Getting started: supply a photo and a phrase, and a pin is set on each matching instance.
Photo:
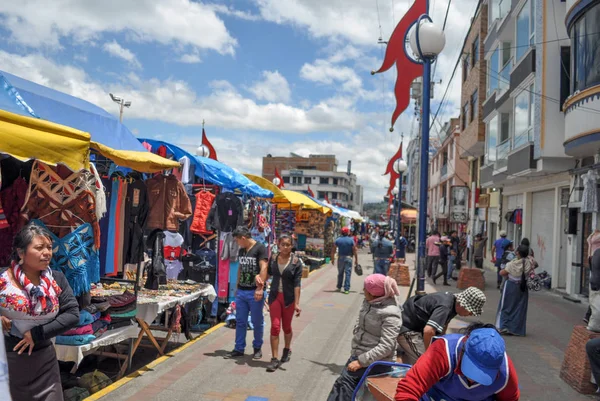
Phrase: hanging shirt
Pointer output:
(173, 251)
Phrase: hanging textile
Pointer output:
(12, 198)
(226, 213)
(223, 274)
(114, 254)
(589, 202)
(173, 252)
(76, 257)
(136, 213)
(204, 202)
(99, 193)
(156, 269)
(168, 203)
(104, 226)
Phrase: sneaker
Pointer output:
(346, 292)
(257, 353)
(287, 353)
(234, 354)
(274, 365)
(339, 290)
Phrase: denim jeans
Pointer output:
(382, 266)
(244, 304)
(451, 262)
(344, 267)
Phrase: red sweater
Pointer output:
(433, 365)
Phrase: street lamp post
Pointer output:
(426, 42)
(203, 151)
(122, 104)
(400, 167)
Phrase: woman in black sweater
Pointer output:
(36, 304)
(284, 298)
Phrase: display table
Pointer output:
(73, 353)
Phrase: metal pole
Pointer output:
(423, 182)
(121, 110)
(472, 233)
(399, 220)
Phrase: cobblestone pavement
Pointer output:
(321, 347)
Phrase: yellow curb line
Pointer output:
(150, 366)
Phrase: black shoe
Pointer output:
(447, 284)
(274, 365)
(433, 278)
(287, 353)
(234, 354)
(257, 353)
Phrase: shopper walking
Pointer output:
(512, 309)
(284, 299)
(433, 253)
(36, 304)
(375, 333)
(454, 256)
(347, 250)
(478, 247)
(252, 275)
(499, 248)
(382, 251)
(425, 316)
(444, 246)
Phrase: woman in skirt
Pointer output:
(36, 304)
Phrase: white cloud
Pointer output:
(116, 50)
(325, 72)
(190, 59)
(273, 88)
(169, 22)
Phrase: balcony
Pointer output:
(502, 154)
(504, 79)
(444, 171)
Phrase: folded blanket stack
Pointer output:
(121, 309)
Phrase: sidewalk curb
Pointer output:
(149, 367)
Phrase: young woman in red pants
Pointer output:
(284, 298)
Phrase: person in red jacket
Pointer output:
(470, 366)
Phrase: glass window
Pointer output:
(475, 52)
(307, 180)
(334, 195)
(335, 181)
(286, 180)
(586, 50)
(491, 134)
(465, 68)
(465, 115)
(493, 71)
(523, 118)
(504, 127)
(474, 105)
(324, 180)
(524, 20)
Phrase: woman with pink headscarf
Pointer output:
(375, 334)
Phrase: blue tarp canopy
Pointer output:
(32, 100)
(214, 172)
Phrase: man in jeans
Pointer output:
(382, 250)
(501, 245)
(433, 253)
(253, 259)
(347, 250)
(453, 254)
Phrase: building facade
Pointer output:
(319, 173)
(448, 196)
(581, 111)
(524, 169)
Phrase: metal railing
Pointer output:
(523, 138)
(504, 80)
(502, 154)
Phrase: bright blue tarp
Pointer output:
(32, 100)
(214, 172)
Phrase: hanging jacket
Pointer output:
(168, 203)
(204, 202)
(136, 214)
(226, 213)
(157, 272)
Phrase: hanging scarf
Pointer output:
(41, 296)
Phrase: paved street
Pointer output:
(322, 343)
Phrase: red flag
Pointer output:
(281, 184)
(327, 199)
(212, 153)
(395, 53)
(310, 192)
(390, 170)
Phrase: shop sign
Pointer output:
(458, 204)
(296, 173)
(303, 215)
(484, 201)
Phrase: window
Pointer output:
(321, 195)
(465, 115)
(565, 63)
(585, 43)
(475, 52)
(523, 118)
(334, 195)
(335, 181)
(324, 180)
(491, 136)
(296, 180)
(525, 29)
(498, 9)
(450, 150)
(506, 67)
(493, 72)
(465, 68)
(307, 180)
(474, 105)
(286, 180)
(504, 127)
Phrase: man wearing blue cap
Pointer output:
(471, 366)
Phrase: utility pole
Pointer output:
(122, 104)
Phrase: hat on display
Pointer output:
(472, 299)
(503, 233)
(345, 231)
(483, 356)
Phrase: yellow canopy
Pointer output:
(31, 138)
(278, 196)
(145, 162)
(297, 200)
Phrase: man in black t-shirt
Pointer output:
(253, 258)
(425, 316)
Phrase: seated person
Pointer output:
(458, 367)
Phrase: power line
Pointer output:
(542, 42)
(443, 29)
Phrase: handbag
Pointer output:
(358, 270)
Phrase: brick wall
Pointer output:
(475, 80)
(287, 163)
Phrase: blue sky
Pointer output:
(267, 76)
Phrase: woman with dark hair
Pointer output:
(512, 310)
(525, 242)
(284, 298)
(36, 304)
(472, 365)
